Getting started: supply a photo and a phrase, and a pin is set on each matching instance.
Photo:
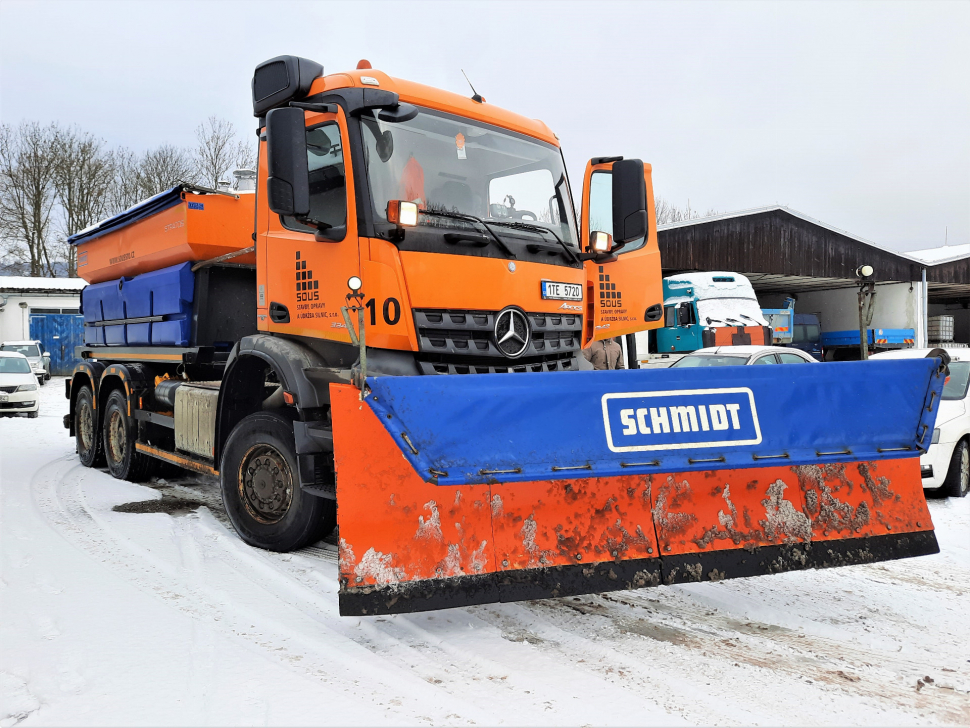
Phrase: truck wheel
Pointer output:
(261, 487)
(119, 435)
(957, 481)
(86, 433)
(42, 380)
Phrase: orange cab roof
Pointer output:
(421, 95)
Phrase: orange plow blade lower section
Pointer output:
(410, 545)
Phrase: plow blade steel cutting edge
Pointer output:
(458, 490)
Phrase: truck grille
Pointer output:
(463, 342)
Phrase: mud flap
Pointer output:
(467, 490)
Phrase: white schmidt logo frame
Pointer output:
(680, 445)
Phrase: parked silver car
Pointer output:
(726, 356)
(40, 360)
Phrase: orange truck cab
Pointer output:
(456, 216)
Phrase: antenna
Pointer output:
(475, 95)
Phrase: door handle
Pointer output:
(278, 313)
(653, 313)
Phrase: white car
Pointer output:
(18, 386)
(726, 356)
(946, 465)
(40, 360)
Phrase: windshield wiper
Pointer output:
(472, 218)
(539, 229)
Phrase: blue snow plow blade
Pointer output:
(549, 426)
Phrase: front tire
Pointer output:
(42, 381)
(261, 487)
(119, 434)
(957, 482)
(86, 434)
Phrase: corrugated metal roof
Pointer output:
(912, 255)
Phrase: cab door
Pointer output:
(306, 270)
(624, 288)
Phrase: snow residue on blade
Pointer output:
(477, 561)
(670, 495)
(375, 567)
(430, 528)
(782, 518)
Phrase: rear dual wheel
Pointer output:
(86, 434)
(261, 487)
(119, 434)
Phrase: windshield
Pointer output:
(25, 349)
(730, 312)
(806, 334)
(711, 361)
(13, 365)
(956, 383)
(450, 164)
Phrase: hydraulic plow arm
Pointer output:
(468, 490)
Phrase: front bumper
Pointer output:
(935, 463)
(18, 402)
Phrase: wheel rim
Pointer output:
(85, 426)
(117, 436)
(265, 484)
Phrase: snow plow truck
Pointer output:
(384, 338)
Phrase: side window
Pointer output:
(670, 316)
(328, 187)
(601, 209)
(791, 359)
(769, 359)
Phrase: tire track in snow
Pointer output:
(466, 660)
(256, 595)
(266, 623)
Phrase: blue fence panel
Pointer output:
(59, 333)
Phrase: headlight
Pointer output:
(26, 387)
(936, 436)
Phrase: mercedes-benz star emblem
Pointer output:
(512, 332)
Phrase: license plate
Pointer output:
(562, 291)
(3, 398)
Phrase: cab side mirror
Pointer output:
(629, 201)
(683, 315)
(288, 180)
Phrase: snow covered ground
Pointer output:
(126, 604)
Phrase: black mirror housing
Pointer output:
(629, 201)
(282, 79)
(683, 315)
(288, 179)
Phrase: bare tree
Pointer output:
(669, 213)
(84, 174)
(163, 167)
(28, 157)
(245, 155)
(126, 189)
(216, 152)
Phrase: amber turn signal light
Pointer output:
(600, 242)
(402, 213)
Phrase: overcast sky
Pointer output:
(857, 114)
